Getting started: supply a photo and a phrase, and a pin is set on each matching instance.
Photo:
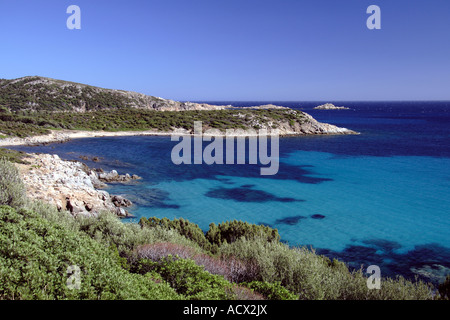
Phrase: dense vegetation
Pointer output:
(163, 259)
(217, 235)
(26, 123)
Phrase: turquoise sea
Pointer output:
(381, 197)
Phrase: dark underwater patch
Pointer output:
(317, 216)
(425, 261)
(245, 195)
(290, 220)
(154, 198)
(383, 245)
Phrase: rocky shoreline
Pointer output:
(73, 186)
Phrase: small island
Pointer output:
(330, 106)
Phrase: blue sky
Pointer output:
(235, 49)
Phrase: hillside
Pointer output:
(46, 94)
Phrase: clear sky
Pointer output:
(235, 49)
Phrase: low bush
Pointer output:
(314, 277)
(189, 279)
(226, 232)
(108, 229)
(159, 251)
(231, 231)
(35, 256)
(185, 228)
(271, 291)
(231, 268)
(12, 155)
(12, 189)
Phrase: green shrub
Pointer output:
(234, 230)
(314, 277)
(216, 235)
(12, 155)
(35, 255)
(185, 228)
(271, 291)
(189, 279)
(127, 237)
(12, 189)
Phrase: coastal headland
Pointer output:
(38, 110)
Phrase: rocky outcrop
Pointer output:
(113, 176)
(330, 106)
(312, 126)
(304, 124)
(70, 185)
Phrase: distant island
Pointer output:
(330, 106)
(36, 110)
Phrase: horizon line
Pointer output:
(284, 101)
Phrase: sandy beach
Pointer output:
(66, 135)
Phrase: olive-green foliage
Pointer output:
(271, 291)
(228, 231)
(12, 189)
(185, 228)
(17, 124)
(12, 155)
(231, 231)
(35, 255)
(189, 279)
(33, 93)
(27, 123)
(315, 277)
(109, 230)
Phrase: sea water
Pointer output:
(380, 197)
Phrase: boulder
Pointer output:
(121, 212)
(120, 201)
